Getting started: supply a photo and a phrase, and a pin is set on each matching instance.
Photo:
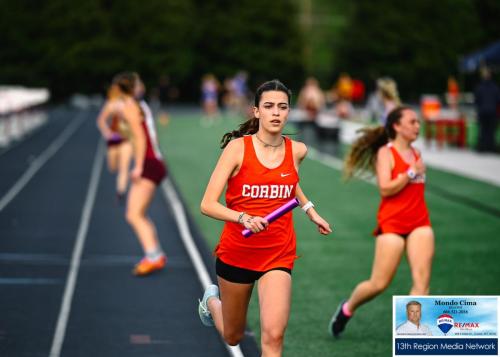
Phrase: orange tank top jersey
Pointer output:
(258, 190)
(406, 210)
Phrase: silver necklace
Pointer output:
(266, 144)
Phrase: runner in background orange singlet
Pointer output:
(403, 223)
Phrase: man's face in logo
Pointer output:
(413, 312)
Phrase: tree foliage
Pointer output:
(418, 43)
(258, 36)
(78, 46)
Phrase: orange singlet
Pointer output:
(258, 190)
(406, 210)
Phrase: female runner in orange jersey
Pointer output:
(403, 219)
(260, 168)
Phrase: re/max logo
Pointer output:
(467, 324)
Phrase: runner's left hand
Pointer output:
(323, 226)
(136, 173)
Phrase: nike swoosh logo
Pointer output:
(285, 175)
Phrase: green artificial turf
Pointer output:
(467, 242)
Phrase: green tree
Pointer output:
(258, 36)
(416, 42)
(489, 13)
(322, 23)
(79, 46)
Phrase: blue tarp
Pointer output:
(489, 56)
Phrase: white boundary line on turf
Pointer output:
(187, 239)
(38, 163)
(328, 160)
(332, 162)
(69, 289)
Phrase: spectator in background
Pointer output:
(358, 90)
(388, 91)
(226, 95)
(375, 106)
(341, 96)
(344, 87)
(452, 93)
(210, 94)
(311, 98)
(487, 98)
(239, 88)
(344, 109)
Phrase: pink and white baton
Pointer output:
(274, 215)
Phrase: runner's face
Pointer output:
(272, 111)
(409, 126)
(414, 313)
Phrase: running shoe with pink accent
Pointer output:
(338, 321)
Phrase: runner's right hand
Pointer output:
(255, 224)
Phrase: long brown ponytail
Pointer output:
(126, 82)
(363, 153)
(251, 126)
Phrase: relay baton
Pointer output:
(274, 215)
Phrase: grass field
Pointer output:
(467, 242)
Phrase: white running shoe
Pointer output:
(205, 315)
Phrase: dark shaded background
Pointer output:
(78, 46)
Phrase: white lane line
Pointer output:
(29, 281)
(38, 163)
(62, 320)
(328, 160)
(194, 254)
